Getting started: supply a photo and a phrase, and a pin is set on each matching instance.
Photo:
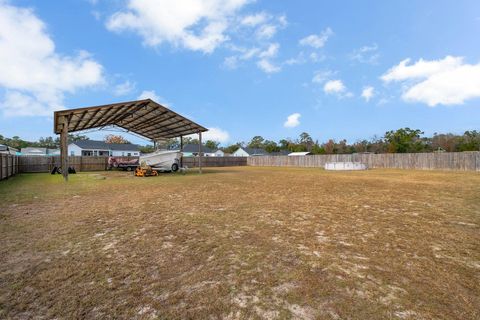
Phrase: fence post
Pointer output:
(477, 161)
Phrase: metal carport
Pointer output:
(146, 118)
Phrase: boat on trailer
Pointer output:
(162, 160)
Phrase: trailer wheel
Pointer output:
(174, 167)
(129, 168)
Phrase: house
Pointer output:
(99, 148)
(248, 152)
(191, 150)
(36, 151)
(219, 153)
(294, 154)
(8, 150)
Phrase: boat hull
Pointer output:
(162, 160)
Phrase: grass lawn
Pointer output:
(243, 242)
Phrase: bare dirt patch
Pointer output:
(244, 242)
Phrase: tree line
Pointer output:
(404, 140)
(395, 141)
(54, 143)
(47, 142)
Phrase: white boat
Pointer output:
(165, 160)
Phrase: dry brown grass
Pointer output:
(242, 242)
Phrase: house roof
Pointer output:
(123, 147)
(101, 145)
(34, 150)
(255, 151)
(280, 153)
(143, 117)
(193, 148)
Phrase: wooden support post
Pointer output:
(64, 149)
(181, 150)
(199, 152)
(154, 145)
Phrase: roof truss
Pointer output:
(146, 118)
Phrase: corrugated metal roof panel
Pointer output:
(143, 117)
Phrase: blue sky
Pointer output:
(335, 69)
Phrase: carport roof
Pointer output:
(143, 117)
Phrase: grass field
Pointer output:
(243, 242)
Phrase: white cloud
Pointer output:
(250, 53)
(149, 94)
(245, 54)
(315, 57)
(96, 14)
(266, 31)
(421, 68)
(270, 52)
(282, 20)
(267, 66)
(447, 81)
(254, 19)
(334, 86)
(293, 61)
(264, 57)
(231, 62)
(193, 24)
(202, 25)
(366, 54)
(216, 134)
(293, 120)
(266, 25)
(35, 77)
(124, 88)
(322, 76)
(383, 101)
(317, 41)
(368, 93)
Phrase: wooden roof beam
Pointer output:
(80, 120)
(153, 122)
(93, 124)
(146, 122)
(140, 119)
(114, 114)
(168, 128)
(126, 114)
(187, 127)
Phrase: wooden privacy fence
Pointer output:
(466, 161)
(46, 163)
(8, 165)
(192, 162)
